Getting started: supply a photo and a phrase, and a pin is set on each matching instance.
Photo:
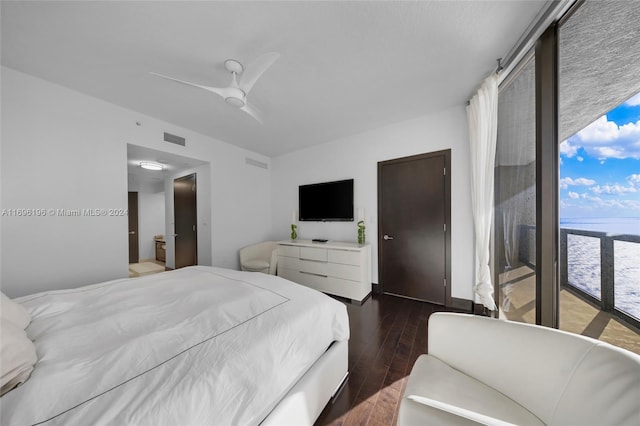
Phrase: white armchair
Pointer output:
(261, 257)
(493, 372)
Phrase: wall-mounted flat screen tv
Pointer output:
(327, 201)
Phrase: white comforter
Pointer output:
(199, 345)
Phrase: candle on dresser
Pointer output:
(360, 214)
(294, 217)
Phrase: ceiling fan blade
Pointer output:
(221, 91)
(255, 69)
(252, 111)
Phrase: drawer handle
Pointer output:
(317, 275)
(313, 260)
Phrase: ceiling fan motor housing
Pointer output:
(236, 97)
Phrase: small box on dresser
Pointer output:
(338, 268)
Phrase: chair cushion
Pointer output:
(433, 379)
(255, 264)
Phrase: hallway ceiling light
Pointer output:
(151, 166)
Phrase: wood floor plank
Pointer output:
(387, 335)
(385, 407)
(399, 366)
(359, 415)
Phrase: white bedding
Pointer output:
(198, 345)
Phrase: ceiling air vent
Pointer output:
(256, 163)
(168, 137)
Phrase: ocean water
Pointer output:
(584, 260)
(615, 225)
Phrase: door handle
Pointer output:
(387, 237)
(174, 235)
(132, 232)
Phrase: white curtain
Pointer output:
(482, 115)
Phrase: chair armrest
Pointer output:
(273, 263)
(459, 411)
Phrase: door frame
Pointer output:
(448, 301)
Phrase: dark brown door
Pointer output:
(185, 217)
(133, 228)
(413, 209)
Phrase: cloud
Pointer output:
(601, 130)
(612, 189)
(567, 182)
(634, 179)
(580, 159)
(574, 195)
(631, 204)
(567, 149)
(633, 101)
(604, 139)
(597, 203)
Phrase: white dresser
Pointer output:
(338, 268)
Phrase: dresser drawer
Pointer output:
(336, 270)
(312, 253)
(289, 274)
(345, 257)
(302, 265)
(329, 285)
(347, 272)
(290, 251)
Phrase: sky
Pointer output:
(600, 166)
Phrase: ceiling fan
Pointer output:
(242, 80)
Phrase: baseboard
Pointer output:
(462, 304)
(480, 309)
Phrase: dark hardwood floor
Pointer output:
(387, 335)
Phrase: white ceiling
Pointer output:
(345, 67)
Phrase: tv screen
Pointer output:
(327, 201)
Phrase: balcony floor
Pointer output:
(576, 315)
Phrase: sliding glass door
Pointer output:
(567, 195)
(599, 131)
(515, 196)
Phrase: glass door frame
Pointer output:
(547, 180)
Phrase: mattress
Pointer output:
(199, 345)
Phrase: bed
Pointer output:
(199, 345)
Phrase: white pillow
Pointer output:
(14, 312)
(17, 356)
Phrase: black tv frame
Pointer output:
(304, 216)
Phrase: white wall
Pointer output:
(151, 222)
(357, 157)
(64, 149)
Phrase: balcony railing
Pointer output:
(604, 297)
(607, 297)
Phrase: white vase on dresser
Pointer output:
(335, 267)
